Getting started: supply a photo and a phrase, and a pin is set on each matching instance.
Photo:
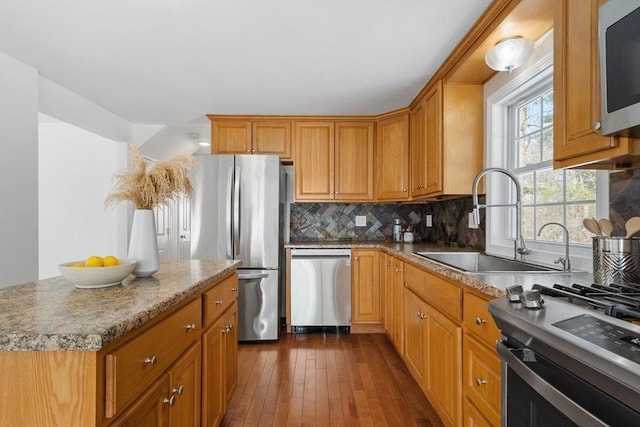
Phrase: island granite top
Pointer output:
(53, 315)
(491, 284)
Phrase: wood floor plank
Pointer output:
(326, 380)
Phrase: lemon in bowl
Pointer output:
(97, 272)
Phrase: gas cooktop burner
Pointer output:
(620, 301)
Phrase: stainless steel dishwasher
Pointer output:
(320, 289)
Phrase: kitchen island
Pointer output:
(114, 356)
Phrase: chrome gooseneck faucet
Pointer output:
(519, 247)
(566, 262)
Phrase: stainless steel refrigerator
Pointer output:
(236, 214)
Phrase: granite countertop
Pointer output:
(493, 284)
(52, 315)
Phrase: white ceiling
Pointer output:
(173, 61)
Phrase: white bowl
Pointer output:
(97, 277)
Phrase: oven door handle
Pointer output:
(551, 394)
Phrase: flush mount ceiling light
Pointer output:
(204, 143)
(508, 54)
(195, 137)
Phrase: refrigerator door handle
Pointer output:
(252, 276)
(236, 213)
(229, 213)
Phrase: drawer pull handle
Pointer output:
(423, 316)
(418, 314)
(596, 125)
(178, 390)
(151, 360)
(219, 302)
(480, 321)
(191, 326)
(234, 289)
(226, 330)
(171, 400)
(480, 382)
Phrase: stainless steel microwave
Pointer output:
(619, 42)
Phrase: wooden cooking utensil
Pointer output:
(591, 225)
(632, 226)
(605, 226)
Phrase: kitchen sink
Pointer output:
(480, 262)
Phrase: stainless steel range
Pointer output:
(571, 355)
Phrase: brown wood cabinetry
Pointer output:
(392, 158)
(481, 363)
(334, 161)
(365, 288)
(159, 374)
(446, 140)
(578, 141)
(394, 317)
(433, 341)
(249, 136)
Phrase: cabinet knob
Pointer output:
(418, 314)
(171, 400)
(190, 326)
(423, 316)
(404, 190)
(253, 151)
(357, 258)
(230, 327)
(480, 382)
(150, 360)
(596, 125)
(219, 302)
(178, 390)
(480, 321)
(234, 289)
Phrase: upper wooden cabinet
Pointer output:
(446, 140)
(392, 158)
(578, 141)
(247, 136)
(334, 161)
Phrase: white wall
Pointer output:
(75, 171)
(23, 93)
(18, 172)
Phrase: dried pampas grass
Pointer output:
(151, 186)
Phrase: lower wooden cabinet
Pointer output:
(151, 409)
(394, 318)
(185, 388)
(473, 417)
(365, 287)
(219, 367)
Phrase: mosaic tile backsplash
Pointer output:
(334, 221)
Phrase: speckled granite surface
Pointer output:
(490, 284)
(53, 315)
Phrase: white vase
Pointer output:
(143, 246)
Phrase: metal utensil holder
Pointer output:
(616, 260)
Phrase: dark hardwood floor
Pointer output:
(326, 380)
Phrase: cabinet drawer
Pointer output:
(441, 294)
(134, 366)
(482, 375)
(478, 321)
(217, 300)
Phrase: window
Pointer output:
(564, 196)
(519, 125)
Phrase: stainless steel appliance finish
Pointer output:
(619, 38)
(571, 360)
(235, 215)
(320, 288)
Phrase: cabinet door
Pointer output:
(231, 351)
(392, 153)
(272, 137)
(365, 287)
(185, 388)
(213, 374)
(231, 137)
(397, 285)
(418, 150)
(354, 161)
(444, 366)
(577, 81)
(314, 160)
(433, 139)
(415, 329)
(151, 409)
(482, 378)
